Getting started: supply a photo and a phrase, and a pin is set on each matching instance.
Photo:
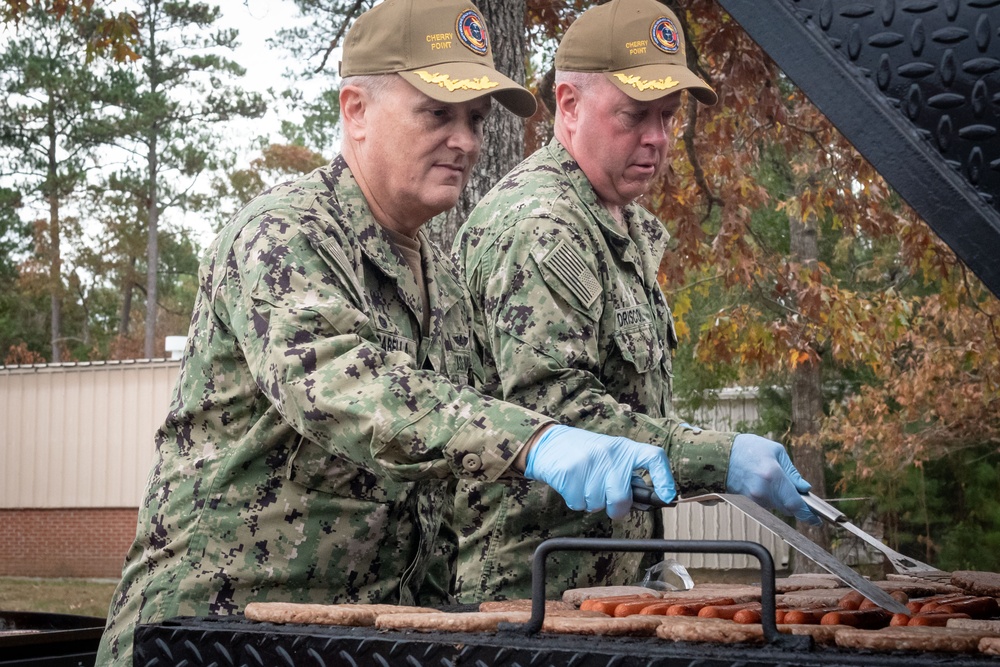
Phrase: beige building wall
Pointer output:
(735, 409)
(80, 435)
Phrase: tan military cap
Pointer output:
(638, 44)
(441, 47)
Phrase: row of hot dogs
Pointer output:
(852, 609)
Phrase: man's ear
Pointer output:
(354, 105)
(567, 104)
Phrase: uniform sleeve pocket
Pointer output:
(316, 469)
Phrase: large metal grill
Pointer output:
(201, 642)
(234, 641)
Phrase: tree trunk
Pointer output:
(807, 400)
(55, 251)
(128, 288)
(503, 144)
(152, 204)
(152, 254)
(55, 279)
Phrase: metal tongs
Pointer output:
(643, 495)
(902, 564)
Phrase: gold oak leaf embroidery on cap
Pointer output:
(646, 84)
(445, 81)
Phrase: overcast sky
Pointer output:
(258, 20)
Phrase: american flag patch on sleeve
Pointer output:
(569, 267)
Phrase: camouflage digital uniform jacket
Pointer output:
(573, 324)
(315, 434)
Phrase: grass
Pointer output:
(89, 597)
(84, 597)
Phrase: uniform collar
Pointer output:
(444, 287)
(646, 239)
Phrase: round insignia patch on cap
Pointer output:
(472, 32)
(664, 35)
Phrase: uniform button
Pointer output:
(472, 462)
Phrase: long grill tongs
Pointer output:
(902, 564)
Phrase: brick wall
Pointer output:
(88, 542)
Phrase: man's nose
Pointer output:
(465, 137)
(656, 133)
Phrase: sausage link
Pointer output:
(694, 606)
(658, 609)
(661, 606)
(633, 607)
(983, 607)
(934, 604)
(866, 619)
(934, 619)
(808, 616)
(898, 596)
(608, 604)
(851, 601)
(747, 616)
(915, 604)
(726, 611)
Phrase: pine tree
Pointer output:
(185, 86)
(50, 124)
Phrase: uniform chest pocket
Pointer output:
(460, 369)
(640, 347)
(316, 469)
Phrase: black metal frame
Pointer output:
(233, 641)
(915, 86)
(763, 556)
(56, 640)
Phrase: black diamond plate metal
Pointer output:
(915, 86)
(204, 642)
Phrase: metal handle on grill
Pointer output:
(767, 585)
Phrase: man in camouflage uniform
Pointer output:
(323, 408)
(562, 268)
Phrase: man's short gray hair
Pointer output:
(373, 84)
(580, 80)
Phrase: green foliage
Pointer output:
(946, 513)
(170, 107)
(14, 235)
(111, 36)
(17, 310)
(318, 128)
(52, 121)
(311, 43)
(160, 113)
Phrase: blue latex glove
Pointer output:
(594, 472)
(760, 469)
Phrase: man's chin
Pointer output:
(445, 196)
(440, 205)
